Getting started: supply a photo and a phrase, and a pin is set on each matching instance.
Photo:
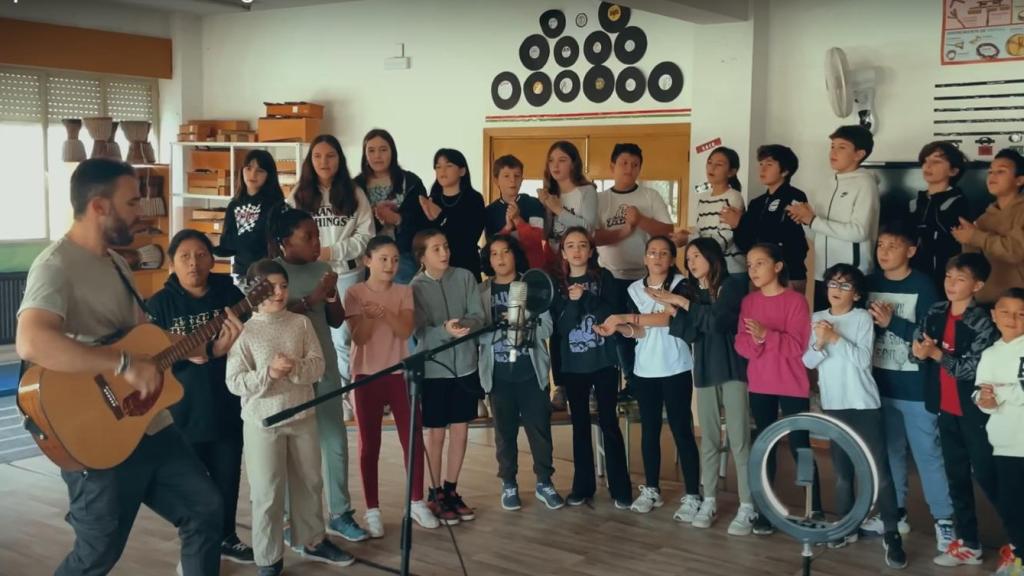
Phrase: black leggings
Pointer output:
(605, 383)
(674, 393)
(765, 410)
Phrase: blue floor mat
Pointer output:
(9, 378)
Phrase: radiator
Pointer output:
(12, 288)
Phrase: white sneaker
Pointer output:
(688, 509)
(945, 533)
(648, 499)
(958, 554)
(706, 515)
(875, 525)
(374, 524)
(743, 523)
(423, 516)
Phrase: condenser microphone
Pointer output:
(516, 317)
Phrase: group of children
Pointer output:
(895, 362)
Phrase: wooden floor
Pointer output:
(598, 541)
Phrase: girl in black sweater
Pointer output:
(588, 296)
(456, 209)
(245, 223)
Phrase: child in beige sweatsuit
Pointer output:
(274, 365)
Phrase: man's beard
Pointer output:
(118, 232)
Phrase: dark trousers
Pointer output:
(765, 410)
(870, 426)
(223, 461)
(513, 403)
(625, 348)
(164, 474)
(674, 393)
(605, 384)
(1010, 471)
(965, 448)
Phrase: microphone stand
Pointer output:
(414, 367)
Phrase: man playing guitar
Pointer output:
(78, 293)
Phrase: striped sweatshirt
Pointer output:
(709, 225)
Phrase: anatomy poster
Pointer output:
(976, 31)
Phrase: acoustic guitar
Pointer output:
(96, 421)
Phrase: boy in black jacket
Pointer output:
(765, 219)
(209, 415)
(953, 335)
(938, 209)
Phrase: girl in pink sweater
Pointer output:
(773, 331)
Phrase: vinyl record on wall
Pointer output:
(567, 86)
(630, 84)
(533, 52)
(537, 89)
(597, 47)
(598, 84)
(613, 17)
(505, 90)
(665, 82)
(567, 51)
(552, 23)
(630, 45)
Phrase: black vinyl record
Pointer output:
(552, 23)
(630, 84)
(537, 89)
(598, 84)
(505, 90)
(567, 86)
(534, 51)
(630, 45)
(597, 47)
(665, 82)
(613, 17)
(567, 51)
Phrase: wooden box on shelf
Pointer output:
(215, 159)
(294, 109)
(288, 129)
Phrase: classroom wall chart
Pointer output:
(979, 31)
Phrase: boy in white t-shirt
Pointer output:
(1000, 394)
(627, 216)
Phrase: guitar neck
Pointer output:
(205, 333)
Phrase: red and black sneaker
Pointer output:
(455, 504)
(438, 504)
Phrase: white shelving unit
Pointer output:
(181, 166)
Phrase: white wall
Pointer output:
(335, 54)
(901, 38)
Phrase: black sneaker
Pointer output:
(274, 569)
(762, 527)
(895, 557)
(236, 551)
(576, 500)
(623, 504)
(328, 553)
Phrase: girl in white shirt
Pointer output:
(840, 348)
(663, 377)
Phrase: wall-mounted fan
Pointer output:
(850, 90)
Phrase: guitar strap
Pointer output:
(127, 284)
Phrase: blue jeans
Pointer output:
(907, 421)
(407, 268)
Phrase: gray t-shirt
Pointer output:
(85, 290)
